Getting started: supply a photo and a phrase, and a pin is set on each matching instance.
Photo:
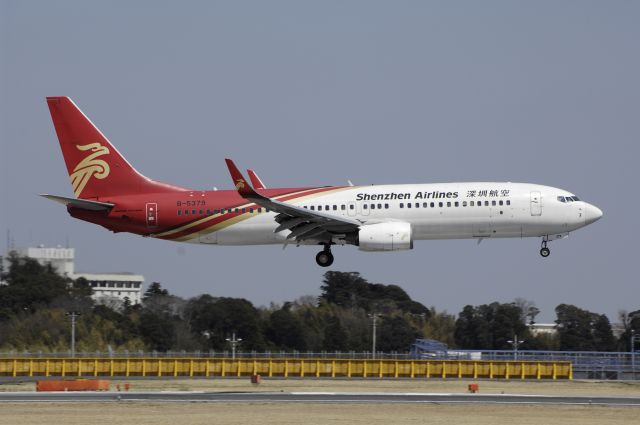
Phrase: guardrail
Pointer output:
(284, 368)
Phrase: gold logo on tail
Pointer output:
(89, 167)
(240, 184)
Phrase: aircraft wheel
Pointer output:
(545, 252)
(324, 258)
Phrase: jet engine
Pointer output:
(391, 236)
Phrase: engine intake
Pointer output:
(392, 236)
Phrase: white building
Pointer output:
(119, 286)
(61, 259)
(107, 287)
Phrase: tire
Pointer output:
(324, 258)
(545, 252)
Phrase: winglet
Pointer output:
(244, 188)
(255, 180)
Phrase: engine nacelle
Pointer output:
(392, 236)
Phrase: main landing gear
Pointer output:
(544, 251)
(325, 258)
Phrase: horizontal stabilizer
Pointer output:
(80, 203)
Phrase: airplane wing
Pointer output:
(255, 180)
(80, 203)
(303, 223)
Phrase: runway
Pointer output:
(311, 397)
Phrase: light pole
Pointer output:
(515, 342)
(633, 352)
(73, 315)
(374, 318)
(234, 342)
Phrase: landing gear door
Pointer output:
(536, 204)
(152, 214)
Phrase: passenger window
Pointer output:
(401, 205)
(193, 212)
(500, 203)
(244, 210)
(352, 207)
(493, 203)
(313, 208)
(259, 210)
(457, 204)
(343, 207)
(425, 205)
(373, 206)
(237, 210)
(386, 206)
(364, 206)
(216, 211)
(508, 202)
(208, 212)
(449, 204)
(379, 206)
(179, 212)
(417, 204)
(201, 212)
(440, 204)
(327, 208)
(486, 203)
(433, 204)
(251, 210)
(335, 208)
(464, 203)
(408, 204)
(472, 204)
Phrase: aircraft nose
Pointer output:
(592, 214)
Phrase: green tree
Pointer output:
(285, 331)
(490, 326)
(582, 330)
(218, 318)
(396, 334)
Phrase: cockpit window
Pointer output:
(568, 198)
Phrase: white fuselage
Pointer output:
(435, 211)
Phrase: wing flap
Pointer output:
(290, 216)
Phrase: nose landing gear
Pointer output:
(544, 251)
(325, 258)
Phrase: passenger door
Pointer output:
(536, 204)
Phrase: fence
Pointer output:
(591, 365)
(284, 368)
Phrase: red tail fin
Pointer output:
(96, 168)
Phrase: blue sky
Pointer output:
(315, 93)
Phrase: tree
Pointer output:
(220, 317)
(603, 339)
(155, 289)
(30, 285)
(335, 337)
(285, 330)
(582, 330)
(350, 290)
(396, 334)
(490, 326)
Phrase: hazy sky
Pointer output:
(315, 93)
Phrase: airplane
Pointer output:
(110, 192)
